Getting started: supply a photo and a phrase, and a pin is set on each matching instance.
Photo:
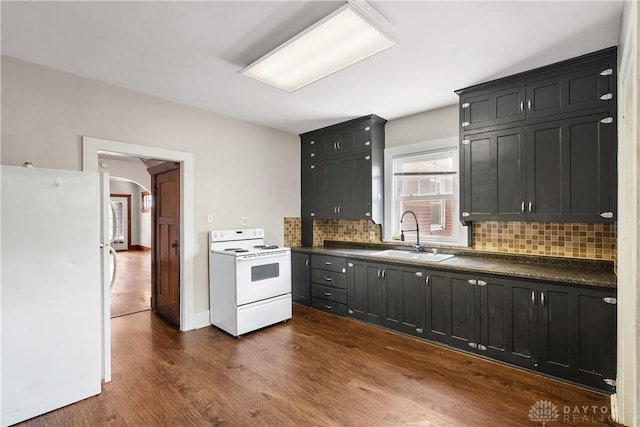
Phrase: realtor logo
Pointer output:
(543, 412)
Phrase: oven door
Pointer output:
(262, 277)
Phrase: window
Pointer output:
(423, 178)
(147, 201)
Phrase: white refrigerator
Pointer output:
(55, 329)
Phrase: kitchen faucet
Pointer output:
(417, 246)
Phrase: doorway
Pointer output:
(120, 221)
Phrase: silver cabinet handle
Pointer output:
(328, 307)
(521, 105)
(339, 146)
(384, 274)
(533, 297)
(306, 263)
(379, 274)
(482, 283)
(328, 263)
(328, 279)
(427, 280)
(542, 299)
(529, 104)
(472, 282)
(327, 294)
(522, 207)
(530, 207)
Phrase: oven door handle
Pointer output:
(279, 254)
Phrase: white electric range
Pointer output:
(249, 282)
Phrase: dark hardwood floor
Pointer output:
(131, 291)
(316, 369)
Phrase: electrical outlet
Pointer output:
(372, 235)
(243, 220)
(210, 218)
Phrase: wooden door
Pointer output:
(165, 270)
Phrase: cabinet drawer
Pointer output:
(331, 263)
(329, 306)
(330, 278)
(329, 293)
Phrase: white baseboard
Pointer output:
(201, 320)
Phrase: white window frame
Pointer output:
(391, 218)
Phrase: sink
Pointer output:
(427, 256)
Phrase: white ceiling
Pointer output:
(190, 52)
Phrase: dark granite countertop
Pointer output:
(545, 268)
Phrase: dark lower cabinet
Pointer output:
(329, 284)
(577, 334)
(403, 299)
(300, 278)
(364, 291)
(450, 316)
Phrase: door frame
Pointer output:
(91, 147)
(128, 197)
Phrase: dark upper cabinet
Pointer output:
(300, 278)
(541, 145)
(342, 170)
(493, 175)
(571, 170)
(577, 334)
(490, 108)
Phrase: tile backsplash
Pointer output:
(571, 240)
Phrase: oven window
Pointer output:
(266, 271)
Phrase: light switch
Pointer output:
(210, 218)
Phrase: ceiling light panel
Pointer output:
(350, 34)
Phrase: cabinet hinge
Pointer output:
(313, 166)
(606, 72)
(466, 214)
(313, 214)
(482, 347)
(312, 142)
(350, 265)
(419, 330)
(419, 273)
(350, 311)
(465, 124)
(367, 143)
(606, 97)
(367, 128)
(610, 300)
(313, 154)
(367, 157)
(465, 142)
(344, 270)
(607, 120)
(609, 382)
(473, 345)
(472, 281)
(466, 105)
(606, 214)
(367, 214)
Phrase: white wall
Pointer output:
(628, 373)
(427, 126)
(241, 169)
(132, 169)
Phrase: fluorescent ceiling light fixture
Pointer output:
(348, 35)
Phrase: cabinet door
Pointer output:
(300, 278)
(493, 175)
(571, 167)
(450, 310)
(570, 92)
(403, 299)
(327, 189)
(364, 291)
(355, 187)
(577, 334)
(492, 108)
(508, 321)
(308, 189)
